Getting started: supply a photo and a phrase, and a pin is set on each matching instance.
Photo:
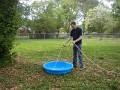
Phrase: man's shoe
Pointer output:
(82, 68)
(75, 66)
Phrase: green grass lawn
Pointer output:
(28, 73)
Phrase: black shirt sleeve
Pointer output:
(80, 32)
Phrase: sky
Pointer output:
(107, 3)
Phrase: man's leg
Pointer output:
(74, 56)
(80, 56)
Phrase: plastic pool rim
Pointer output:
(58, 71)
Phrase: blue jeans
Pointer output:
(77, 53)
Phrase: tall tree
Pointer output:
(69, 11)
(84, 6)
(116, 15)
(99, 20)
(58, 13)
(44, 17)
(7, 30)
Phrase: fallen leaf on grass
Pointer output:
(54, 89)
(15, 87)
(1, 85)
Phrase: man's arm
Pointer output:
(80, 37)
(67, 41)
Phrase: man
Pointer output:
(76, 34)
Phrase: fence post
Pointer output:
(44, 36)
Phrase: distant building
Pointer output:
(23, 31)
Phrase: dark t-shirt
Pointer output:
(76, 34)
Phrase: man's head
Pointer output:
(73, 25)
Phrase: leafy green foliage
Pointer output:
(86, 5)
(50, 16)
(8, 28)
(99, 20)
(116, 15)
(69, 13)
(56, 14)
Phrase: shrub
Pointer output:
(7, 31)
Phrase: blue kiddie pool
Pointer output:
(58, 67)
